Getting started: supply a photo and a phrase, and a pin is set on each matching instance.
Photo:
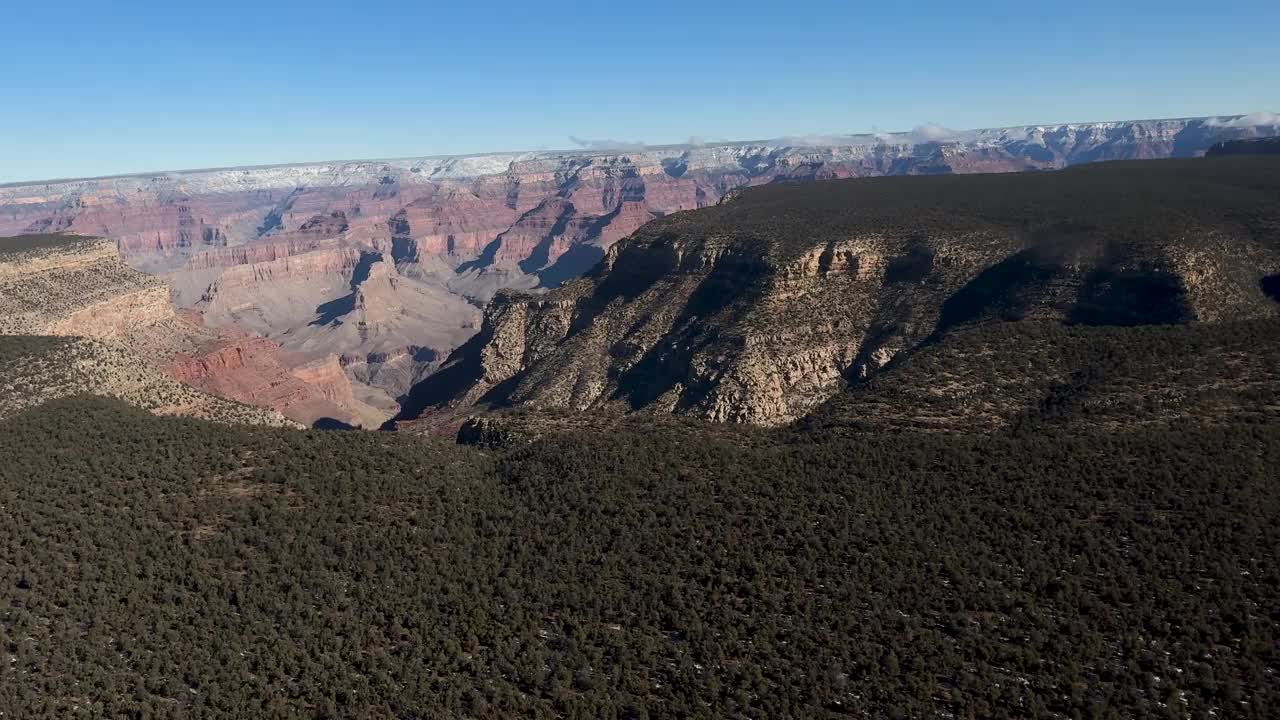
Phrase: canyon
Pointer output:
(74, 318)
(330, 291)
(1119, 293)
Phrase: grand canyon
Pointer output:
(330, 291)
(962, 445)
(625, 361)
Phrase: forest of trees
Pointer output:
(20, 244)
(1143, 203)
(160, 567)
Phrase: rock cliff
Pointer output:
(762, 308)
(77, 287)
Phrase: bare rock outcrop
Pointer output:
(256, 371)
(75, 319)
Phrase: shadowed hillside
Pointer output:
(1033, 375)
(1261, 146)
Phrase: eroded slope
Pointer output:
(459, 229)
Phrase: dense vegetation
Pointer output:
(1147, 202)
(1094, 535)
(1038, 374)
(37, 243)
(174, 568)
(1260, 146)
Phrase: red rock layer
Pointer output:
(255, 371)
(252, 253)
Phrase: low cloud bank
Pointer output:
(933, 132)
(921, 134)
(607, 144)
(815, 140)
(1256, 119)
(927, 133)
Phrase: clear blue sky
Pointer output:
(89, 88)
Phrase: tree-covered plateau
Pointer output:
(159, 567)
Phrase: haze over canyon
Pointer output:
(328, 291)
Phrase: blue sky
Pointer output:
(99, 88)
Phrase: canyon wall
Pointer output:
(394, 259)
(761, 309)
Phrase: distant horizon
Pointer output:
(1267, 119)
(107, 89)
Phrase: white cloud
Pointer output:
(926, 133)
(607, 144)
(698, 141)
(815, 140)
(933, 132)
(1257, 119)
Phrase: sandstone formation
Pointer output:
(340, 301)
(762, 308)
(284, 251)
(257, 371)
(74, 319)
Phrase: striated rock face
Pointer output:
(760, 309)
(237, 284)
(723, 330)
(455, 208)
(251, 254)
(328, 377)
(339, 300)
(75, 319)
